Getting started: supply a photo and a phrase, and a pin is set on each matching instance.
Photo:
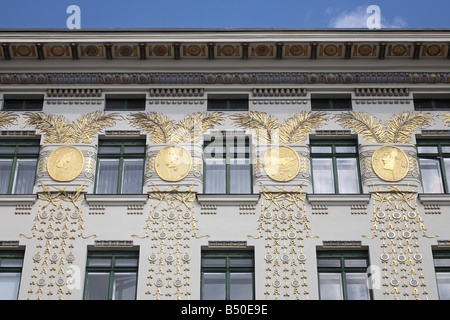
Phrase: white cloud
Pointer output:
(358, 19)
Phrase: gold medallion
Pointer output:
(65, 163)
(281, 163)
(173, 163)
(390, 163)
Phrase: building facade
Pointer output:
(225, 164)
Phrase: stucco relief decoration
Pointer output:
(388, 162)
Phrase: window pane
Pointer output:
(320, 149)
(24, 176)
(447, 171)
(443, 282)
(28, 150)
(329, 263)
(100, 262)
(5, 174)
(11, 263)
(109, 150)
(355, 263)
(124, 287)
(240, 176)
(330, 286)
(357, 286)
(7, 150)
(239, 263)
(442, 262)
(348, 178)
(214, 286)
(346, 149)
(431, 175)
(135, 149)
(108, 175)
(323, 179)
(215, 262)
(215, 176)
(133, 170)
(241, 286)
(97, 286)
(126, 262)
(423, 149)
(9, 285)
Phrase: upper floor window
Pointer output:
(434, 162)
(432, 104)
(22, 103)
(124, 103)
(320, 103)
(120, 167)
(18, 163)
(227, 166)
(227, 102)
(227, 275)
(442, 269)
(10, 274)
(343, 275)
(111, 275)
(335, 167)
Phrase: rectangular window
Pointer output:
(227, 166)
(431, 104)
(227, 103)
(22, 103)
(227, 275)
(124, 103)
(111, 276)
(442, 269)
(10, 274)
(343, 275)
(434, 162)
(18, 162)
(120, 167)
(331, 104)
(335, 168)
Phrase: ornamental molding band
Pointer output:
(201, 78)
(57, 225)
(57, 129)
(284, 224)
(399, 129)
(170, 226)
(398, 226)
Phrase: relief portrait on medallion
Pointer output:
(281, 163)
(173, 163)
(65, 163)
(390, 163)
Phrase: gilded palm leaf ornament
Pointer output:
(7, 119)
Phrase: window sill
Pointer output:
(435, 198)
(228, 199)
(338, 199)
(17, 199)
(116, 199)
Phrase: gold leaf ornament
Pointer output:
(7, 119)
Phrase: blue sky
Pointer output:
(224, 13)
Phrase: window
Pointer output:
(442, 269)
(18, 162)
(331, 104)
(227, 167)
(335, 168)
(434, 162)
(431, 104)
(227, 103)
(111, 276)
(227, 275)
(10, 273)
(120, 167)
(20, 103)
(343, 275)
(130, 103)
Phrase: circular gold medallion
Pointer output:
(281, 163)
(65, 163)
(173, 163)
(390, 163)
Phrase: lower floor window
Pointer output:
(227, 275)
(111, 276)
(10, 274)
(343, 275)
(442, 268)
